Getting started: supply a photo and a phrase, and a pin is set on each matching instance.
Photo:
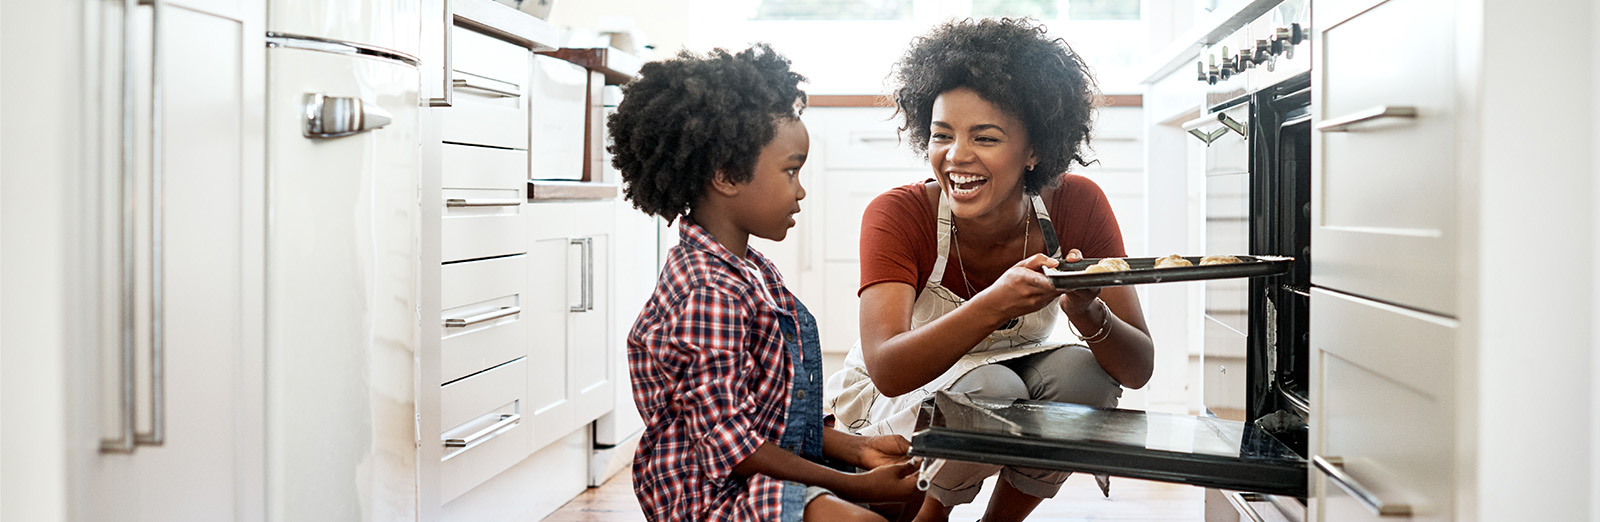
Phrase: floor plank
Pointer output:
(1078, 501)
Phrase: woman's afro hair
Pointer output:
(686, 119)
(1013, 64)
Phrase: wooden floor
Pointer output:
(1079, 500)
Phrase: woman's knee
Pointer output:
(1069, 374)
(992, 380)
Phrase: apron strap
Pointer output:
(1052, 244)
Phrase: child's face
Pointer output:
(770, 200)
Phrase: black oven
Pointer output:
(1255, 127)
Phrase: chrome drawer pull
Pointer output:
(507, 420)
(336, 117)
(1241, 503)
(587, 302)
(467, 203)
(504, 311)
(460, 83)
(1333, 467)
(1381, 112)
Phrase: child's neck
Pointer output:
(725, 233)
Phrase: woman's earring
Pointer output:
(1030, 168)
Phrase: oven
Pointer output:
(1249, 444)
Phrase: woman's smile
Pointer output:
(966, 185)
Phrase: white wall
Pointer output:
(1536, 202)
(666, 24)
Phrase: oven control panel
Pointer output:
(1263, 52)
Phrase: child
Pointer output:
(724, 360)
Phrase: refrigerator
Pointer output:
(342, 260)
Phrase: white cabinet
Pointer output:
(572, 380)
(1384, 327)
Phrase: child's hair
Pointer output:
(688, 118)
(1013, 64)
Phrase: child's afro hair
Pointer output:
(684, 120)
(1013, 64)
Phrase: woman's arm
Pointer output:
(901, 359)
(1124, 349)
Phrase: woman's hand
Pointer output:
(1076, 302)
(1022, 289)
(876, 451)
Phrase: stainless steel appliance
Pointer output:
(1251, 442)
(342, 276)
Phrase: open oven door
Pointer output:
(1201, 451)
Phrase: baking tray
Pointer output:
(1070, 276)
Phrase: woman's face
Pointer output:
(978, 153)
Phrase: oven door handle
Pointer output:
(1333, 467)
(1381, 112)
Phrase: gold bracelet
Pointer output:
(1103, 332)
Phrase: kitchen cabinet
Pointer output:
(574, 380)
(1384, 310)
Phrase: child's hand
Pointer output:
(881, 450)
(887, 483)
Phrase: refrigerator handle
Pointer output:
(158, 334)
(128, 437)
(337, 117)
(445, 75)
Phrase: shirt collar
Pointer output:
(694, 236)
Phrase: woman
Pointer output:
(953, 294)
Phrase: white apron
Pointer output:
(856, 402)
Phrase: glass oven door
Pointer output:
(1202, 451)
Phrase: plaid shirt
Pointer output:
(711, 378)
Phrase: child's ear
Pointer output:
(723, 186)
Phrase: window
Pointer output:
(834, 10)
(1102, 9)
(1035, 9)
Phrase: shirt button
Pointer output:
(802, 394)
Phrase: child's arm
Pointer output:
(862, 451)
(889, 483)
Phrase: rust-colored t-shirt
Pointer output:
(898, 241)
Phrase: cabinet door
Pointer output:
(550, 407)
(209, 412)
(589, 324)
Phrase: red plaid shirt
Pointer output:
(711, 378)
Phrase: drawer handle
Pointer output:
(1333, 467)
(1381, 112)
(504, 311)
(878, 139)
(329, 117)
(460, 83)
(468, 203)
(1193, 127)
(507, 420)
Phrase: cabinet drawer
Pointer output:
(1384, 189)
(560, 114)
(1400, 344)
(488, 57)
(476, 232)
(1394, 440)
(469, 167)
(865, 138)
(489, 295)
(485, 412)
(480, 118)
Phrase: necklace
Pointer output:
(1026, 231)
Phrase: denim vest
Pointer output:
(802, 433)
